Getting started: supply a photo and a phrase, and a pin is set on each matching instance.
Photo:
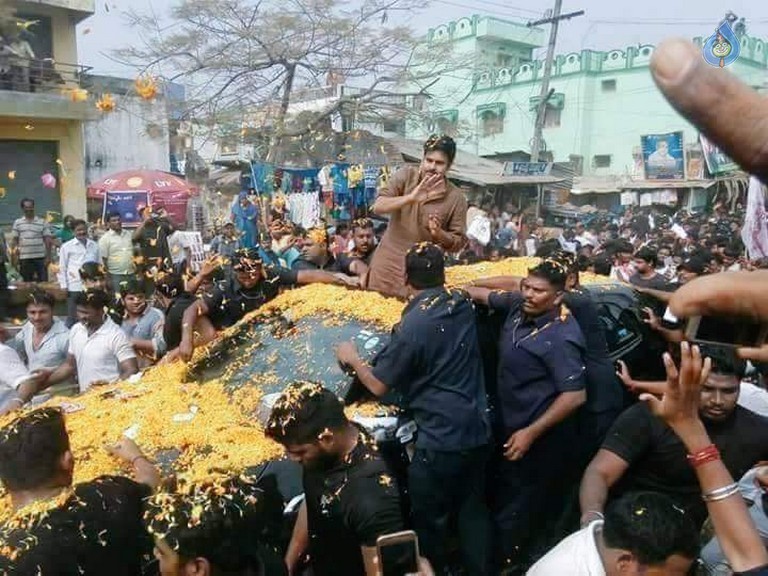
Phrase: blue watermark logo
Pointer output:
(723, 47)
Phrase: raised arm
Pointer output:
(679, 408)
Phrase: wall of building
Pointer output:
(69, 136)
(607, 99)
(134, 136)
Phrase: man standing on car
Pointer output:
(433, 361)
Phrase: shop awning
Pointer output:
(666, 184)
(595, 185)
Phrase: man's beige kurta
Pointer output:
(409, 225)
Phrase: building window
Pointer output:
(601, 160)
(491, 123)
(446, 126)
(394, 126)
(608, 85)
(578, 164)
(551, 117)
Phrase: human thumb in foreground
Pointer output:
(727, 111)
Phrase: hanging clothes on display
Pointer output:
(304, 208)
(342, 198)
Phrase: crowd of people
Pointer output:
(528, 455)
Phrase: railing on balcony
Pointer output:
(42, 75)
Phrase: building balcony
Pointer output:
(79, 9)
(44, 89)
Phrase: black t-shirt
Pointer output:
(655, 282)
(97, 531)
(228, 304)
(301, 264)
(154, 240)
(349, 507)
(345, 261)
(657, 458)
(174, 320)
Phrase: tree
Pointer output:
(244, 61)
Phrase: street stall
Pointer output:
(131, 191)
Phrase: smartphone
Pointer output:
(726, 331)
(398, 553)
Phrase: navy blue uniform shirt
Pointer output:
(540, 358)
(433, 360)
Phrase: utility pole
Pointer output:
(544, 94)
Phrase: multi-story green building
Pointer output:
(601, 105)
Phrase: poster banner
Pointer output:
(754, 233)
(663, 156)
(175, 204)
(717, 161)
(128, 204)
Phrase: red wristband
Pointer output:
(704, 456)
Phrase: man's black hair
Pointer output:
(130, 286)
(303, 411)
(170, 285)
(229, 523)
(342, 227)
(79, 222)
(24, 201)
(31, 447)
(554, 272)
(92, 271)
(95, 299)
(651, 526)
(649, 255)
(548, 247)
(724, 360)
(442, 143)
(602, 265)
(40, 297)
(425, 266)
(111, 215)
(732, 251)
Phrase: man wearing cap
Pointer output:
(433, 361)
(253, 285)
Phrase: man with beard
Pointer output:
(423, 206)
(356, 262)
(99, 352)
(641, 453)
(350, 496)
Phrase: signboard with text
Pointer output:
(527, 168)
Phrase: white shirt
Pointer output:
(52, 350)
(99, 355)
(753, 398)
(14, 371)
(72, 256)
(577, 555)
